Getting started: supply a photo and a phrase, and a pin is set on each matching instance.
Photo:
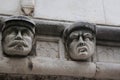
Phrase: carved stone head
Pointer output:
(18, 35)
(80, 40)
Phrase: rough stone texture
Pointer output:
(103, 71)
(13, 65)
(108, 33)
(38, 77)
(47, 49)
(105, 54)
(47, 66)
(51, 47)
(18, 69)
(11, 7)
(108, 54)
(71, 10)
(27, 7)
(52, 28)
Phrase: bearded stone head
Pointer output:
(18, 35)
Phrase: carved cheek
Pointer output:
(73, 47)
(91, 46)
(28, 40)
(9, 38)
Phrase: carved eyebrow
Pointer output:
(26, 31)
(87, 34)
(74, 35)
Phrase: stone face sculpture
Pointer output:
(18, 35)
(80, 40)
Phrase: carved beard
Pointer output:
(18, 43)
(17, 47)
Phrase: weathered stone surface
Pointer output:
(14, 65)
(27, 7)
(38, 77)
(52, 28)
(108, 35)
(50, 67)
(108, 70)
(108, 54)
(46, 66)
(70, 10)
(47, 49)
(39, 65)
(11, 7)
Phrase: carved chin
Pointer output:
(79, 55)
(19, 48)
(82, 53)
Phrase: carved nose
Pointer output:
(18, 36)
(81, 41)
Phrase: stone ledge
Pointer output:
(48, 66)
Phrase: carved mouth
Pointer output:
(82, 49)
(18, 47)
(18, 43)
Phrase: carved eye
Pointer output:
(12, 31)
(25, 32)
(74, 36)
(88, 36)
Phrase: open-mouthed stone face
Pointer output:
(82, 45)
(17, 41)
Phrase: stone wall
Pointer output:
(51, 60)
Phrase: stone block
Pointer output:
(108, 54)
(108, 71)
(51, 47)
(15, 65)
(47, 66)
(47, 49)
